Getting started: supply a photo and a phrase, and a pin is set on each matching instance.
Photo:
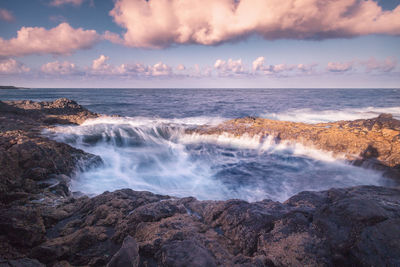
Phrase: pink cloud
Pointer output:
(65, 2)
(160, 23)
(307, 68)
(180, 67)
(60, 40)
(386, 65)
(100, 66)
(63, 68)
(230, 67)
(259, 65)
(6, 15)
(340, 67)
(11, 66)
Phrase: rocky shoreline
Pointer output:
(373, 143)
(42, 223)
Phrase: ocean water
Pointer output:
(146, 148)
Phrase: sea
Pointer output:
(146, 148)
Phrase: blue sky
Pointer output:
(350, 55)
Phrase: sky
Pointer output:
(200, 44)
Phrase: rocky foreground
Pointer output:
(42, 223)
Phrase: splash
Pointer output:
(315, 116)
(156, 154)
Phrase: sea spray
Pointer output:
(157, 155)
(309, 115)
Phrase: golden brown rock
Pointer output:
(376, 140)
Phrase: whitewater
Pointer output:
(147, 147)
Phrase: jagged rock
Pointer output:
(40, 221)
(25, 262)
(333, 227)
(127, 255)
(372, 142)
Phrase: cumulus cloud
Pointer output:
(62, 68)
(259, 65)
(386, 65)
(100, 66)
(230, 67)
(11, 66)
(60, 40)
(138, 69)
(160, 23)
(65, 2)
(6, 15)
(340, 67)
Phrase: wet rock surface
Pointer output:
(43, 224)
(371, 142)
(345, 227)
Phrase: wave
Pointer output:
(316, 116)
(157, 155)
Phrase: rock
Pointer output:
(23, 226)
(128, 255)
(185, 253)
(42, 222)
(25, 262)
(373, 142)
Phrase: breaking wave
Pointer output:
(315, 116)
(157, 155)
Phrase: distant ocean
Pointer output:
(146, 148)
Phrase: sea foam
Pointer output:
(157, 155)
(315, 116)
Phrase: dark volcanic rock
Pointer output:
(128, 255)
(41, 223)
(27, 157)
(357, 226)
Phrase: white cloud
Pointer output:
(11, 66)
(160, 23)
(62, 68)
(60, 40)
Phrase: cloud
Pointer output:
(161, 23)
(6, 15)
(386, 65)
(180, 67)
(307, 68)
(340, 67)
(61, 40)
(157, 70)
(11, 66)
(63, 68)
(230, 67)
(258, 65)
(65, 2)
(100, 66)
(57, 18)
